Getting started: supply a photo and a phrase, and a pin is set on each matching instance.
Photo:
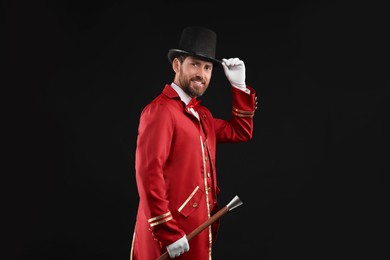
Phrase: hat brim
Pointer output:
(172, 53)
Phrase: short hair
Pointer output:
(181, 57)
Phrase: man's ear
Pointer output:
(176, 65)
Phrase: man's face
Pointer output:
(193, 76)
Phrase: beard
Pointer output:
(192, 91)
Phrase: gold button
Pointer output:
(208, 175)
(194, 204)
(205, 158)
(208, 188)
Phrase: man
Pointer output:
(175, 154)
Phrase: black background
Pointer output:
(313, 180)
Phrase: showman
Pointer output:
(176, 151)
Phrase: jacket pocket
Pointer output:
(192, 202)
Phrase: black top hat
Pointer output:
(196, 41)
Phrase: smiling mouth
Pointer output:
(198, 83)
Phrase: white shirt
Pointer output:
(185, 98)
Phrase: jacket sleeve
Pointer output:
(153, 145)
(239, 128)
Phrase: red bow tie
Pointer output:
(194, 103)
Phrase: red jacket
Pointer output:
(175, 171)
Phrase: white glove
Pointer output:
(178, 247)
(235, 72)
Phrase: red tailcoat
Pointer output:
(175, 171)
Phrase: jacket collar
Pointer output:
(170, 92)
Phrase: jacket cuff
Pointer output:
(244, 105)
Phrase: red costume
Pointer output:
(175, 171)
